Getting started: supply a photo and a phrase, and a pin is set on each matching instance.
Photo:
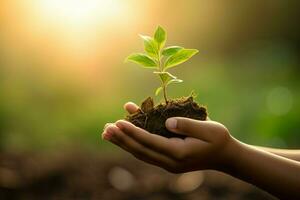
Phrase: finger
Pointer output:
(194, 128)
(106, 125)
(139, 151)
(105, 135)
(160, 144)
(131, 107)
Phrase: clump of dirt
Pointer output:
(152, 118)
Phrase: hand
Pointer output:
(207, 145)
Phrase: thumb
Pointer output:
(190, 127)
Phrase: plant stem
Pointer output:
(165, 94)
(163, 84)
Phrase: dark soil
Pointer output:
(78, 174)
(152, 118)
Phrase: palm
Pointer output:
(199, 150)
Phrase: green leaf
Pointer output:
(169, 51)
(150, 46)
(158, 90)
(175, 81)
(165, 76)
(160, 36)
(179, 57)
(142, 59)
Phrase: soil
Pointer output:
(89, 174)
(152, 118)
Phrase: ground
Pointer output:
(119, 176)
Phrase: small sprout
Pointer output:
(159, 58)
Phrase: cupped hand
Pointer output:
(207, 145)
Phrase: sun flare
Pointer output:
(81, 12)
(70, 31)
(80, 24)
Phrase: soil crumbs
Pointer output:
(152, 118)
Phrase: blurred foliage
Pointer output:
(246, 72)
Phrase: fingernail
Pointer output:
(120, 124)
(171, 123)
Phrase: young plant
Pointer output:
(161, 58)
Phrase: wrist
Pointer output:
(231, 154)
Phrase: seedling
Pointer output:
(161, 58)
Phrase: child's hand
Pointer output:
(206, 146)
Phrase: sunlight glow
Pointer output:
(75, 34)
(81, 12)
(79, 25)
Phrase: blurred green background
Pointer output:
(62, 75)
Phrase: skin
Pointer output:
(209, 145)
